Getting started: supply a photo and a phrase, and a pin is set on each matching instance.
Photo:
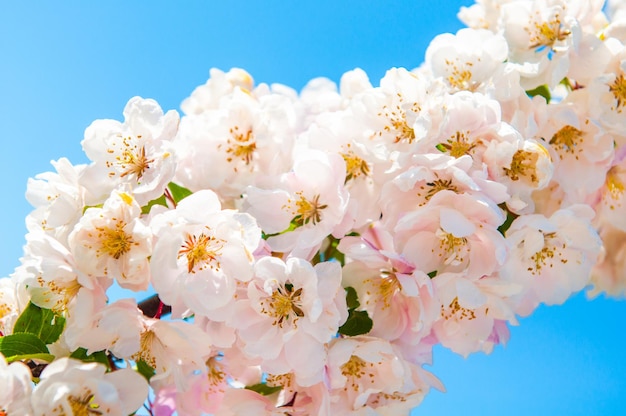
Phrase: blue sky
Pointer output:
(63, 65)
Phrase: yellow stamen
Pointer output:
(284, 302)
(567, 140)
(84, 405)
(114, 242)
(242, 145)
(523, 164)
(202, 250)
(308, 211)
(618, 88)
(355, 166)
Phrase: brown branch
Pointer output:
(153, 307)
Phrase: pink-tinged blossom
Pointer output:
(220, 84)
(523, 166)
(354, 82)
(397, 297)
(171, 348)
(551, 258)
(50, 272)
(454, 233)
(611, 206)
(430, 174)
(608, 274)
(95, 326)
(58, 199)
(319, 96)
(229, 148)
(310, 400)
(204, 393)
(581, 150)
(293, 309)
(393, 117)
(71, 387)
(113, 242)
(472, 60)
(13, 299)
(366, 374)
(243, 402)
(470, 310)
(469, 121)
(363, 179)
(311, 199)
(541, 36)
(201, 253)
(134, 156)
(607, 96)
(15, 395)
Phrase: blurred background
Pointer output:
(65, 64)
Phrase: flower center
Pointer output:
(453, 248)
(618, 88)
(398, 123)
(132, 160)
(5, 309)
(146, 342)
(202, 251)
(615, 188)
(308, 210)
(355, 166)
(523, 164)
(241, 146)
(215, 374)
(567, 140)
(455, 310)
(354, 369)
(387, 286)
(545, 256)
(84, 405)
(460, 78)
(64, 293)
(457, 145)
(114, 242)
(440, 185)
(546, 34)
(284, 302)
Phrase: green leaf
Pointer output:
(264, 389)
(567, 83)
(96, 357)
(351, 298)
(86, 207)
(432, 274)
(42, 356)
(542, 90)
(21, 344)
(358, 323)
(510, 217)
(159, 201)
(43, 323)
(145, 369)
(178, 192)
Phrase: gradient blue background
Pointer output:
(63, 65)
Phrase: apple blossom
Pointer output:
(15, 396)
(69, 386)
(113, 242)
(132, 156)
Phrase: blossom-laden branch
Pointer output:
(306, 252)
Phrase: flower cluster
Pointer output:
(310, 249)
